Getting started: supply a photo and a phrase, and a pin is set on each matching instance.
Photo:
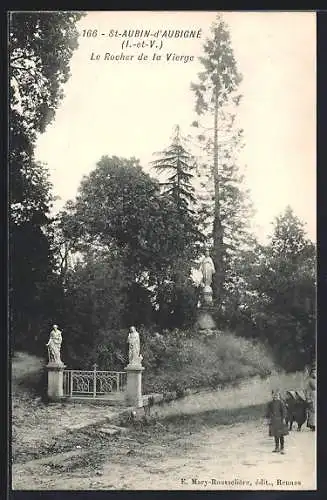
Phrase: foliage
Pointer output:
(220, 77)
(177, 305)
(119, 208)
(288, 285)
(180, 360)
(29, 282)
(94, 305)
(118, 205)
(276, 301)
(175, 359)
(40, 47)
(176, 296)
(176, 161)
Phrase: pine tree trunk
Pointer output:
(217, 226)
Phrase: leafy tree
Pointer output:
(65, 235)
(120, 206)
(225, 204)
(94, 305)
(284, 284)
(40, 47)
(118, 202)
(177, 304)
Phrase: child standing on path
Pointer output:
(276, 413)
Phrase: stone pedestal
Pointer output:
(134, 385)
(55, 381)
(205, 321)
(207, 295)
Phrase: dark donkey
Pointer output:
(297, 408)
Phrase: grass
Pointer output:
(214, 361)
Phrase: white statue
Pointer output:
(134, 347)
(207, 269)
(54, 345)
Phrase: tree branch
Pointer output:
(20, 67)
(12, 59)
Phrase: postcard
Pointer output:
(162, 179)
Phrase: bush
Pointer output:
(29, 376)
(178, 361)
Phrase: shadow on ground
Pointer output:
(222, 416)
(161, 425)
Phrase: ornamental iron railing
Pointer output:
(93, 383)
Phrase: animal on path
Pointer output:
(297, 408)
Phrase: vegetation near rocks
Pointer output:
(179, 361)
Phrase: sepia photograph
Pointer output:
(162, 250)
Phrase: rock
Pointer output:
(112, 430)
(157, 398)
(76, 427)
(119, 429)
(109, 431)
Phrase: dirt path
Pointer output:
(184, 459)
(212, 440)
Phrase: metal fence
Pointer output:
(93, 383)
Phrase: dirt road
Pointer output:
(213, 440)
(192, 452)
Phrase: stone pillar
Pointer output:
(55, 381)
(205, 321)
(134, 385)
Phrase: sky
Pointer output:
(130, 107)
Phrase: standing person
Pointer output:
(311, 399)
(276, 413)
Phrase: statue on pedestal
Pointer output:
(54, 345)
(135, 358)
(207, 268)
(205, 321)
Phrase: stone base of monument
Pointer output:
(134, 385)
(55, 381)
(205, 322)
